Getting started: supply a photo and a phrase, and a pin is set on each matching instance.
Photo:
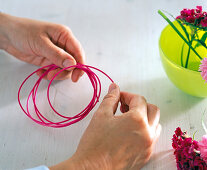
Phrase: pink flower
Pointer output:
(193, 16)
(179, 17)
(184, 12)
(202, 147)
(190, 19)
(199, 15)
(178, 131)
(204, 22)
(198, 9)
(184, 151)
(203, 69)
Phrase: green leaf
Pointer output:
(203, 38)
(202, 41)
(182, 55)
(194, 134)
(196, 33)
(184, 29)
(181, 25)
(178, 32)
(195, 26)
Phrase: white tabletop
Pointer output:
(119, 37)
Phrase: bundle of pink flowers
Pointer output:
(196, 16)
(190, 154)
(196, 21)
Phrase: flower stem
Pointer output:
(182, 55)
(178, 32)
(188, 55)
(193, 34)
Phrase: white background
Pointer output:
(119, 37)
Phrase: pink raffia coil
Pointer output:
(41, 119)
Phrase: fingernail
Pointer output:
(112, 87)
(67, 63)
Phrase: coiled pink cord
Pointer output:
(95, 81)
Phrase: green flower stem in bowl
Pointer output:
(171, 46)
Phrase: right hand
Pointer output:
(118, 142)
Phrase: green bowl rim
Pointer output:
(180, 67)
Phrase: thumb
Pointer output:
(57, 55)
(111, 100)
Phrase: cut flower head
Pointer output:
(194, 17)
(187, 151)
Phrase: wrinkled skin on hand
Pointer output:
(118, 142)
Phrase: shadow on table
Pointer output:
(171, 101)
(163, 160)
(12, 74)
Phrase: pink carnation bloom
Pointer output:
(203, 69)
(202, 147)
(190, 19)
(194, 16)
(184, 151)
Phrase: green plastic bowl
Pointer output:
(187, 80)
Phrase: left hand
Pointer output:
(42, 43)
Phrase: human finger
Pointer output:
(55, 54)
(137, 104)
(153, 114)
(110, 102)
(67, 41)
